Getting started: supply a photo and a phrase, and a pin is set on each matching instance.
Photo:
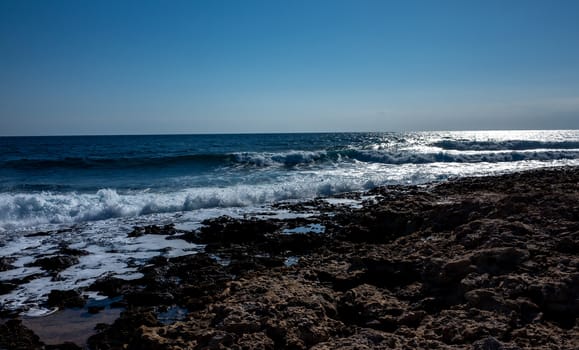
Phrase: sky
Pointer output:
(234, 66)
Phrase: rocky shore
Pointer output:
(475, 263)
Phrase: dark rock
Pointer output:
(7, 287)
(371, 307)
(485, 299)
(6, 263)
(65, 250)
(343, 275)
(499, 260)
(55, 263)
(150, 298)
(488, 343)
(441, 272)
(449, 216)
(165, 230)
(136, 232)
(65, 298)
(14, 335)
(124, 331)
(558, 301)
(568, 245)
(226, 230)
(63, 346)
(111, 286)
(389, 272)
(255, 341)
(95, 309)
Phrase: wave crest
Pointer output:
(290, 158)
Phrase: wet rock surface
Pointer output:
(477, 263)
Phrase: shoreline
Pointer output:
(481, 262)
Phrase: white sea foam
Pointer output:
(110, 252)
(32, 211)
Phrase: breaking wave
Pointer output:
(37, 209)
(448, 151)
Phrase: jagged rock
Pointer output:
(6, 264)
(152, 230)
(111, 286)
(254, 341)
(343, 275)
(485, 299)
(124, 331)
(14, 335)
(226, 230)
(371, 307)
(65, 298)
(499, 260)
(488, 343)
(55, 263)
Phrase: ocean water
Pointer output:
(88, 192)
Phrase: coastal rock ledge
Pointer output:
(476, 263)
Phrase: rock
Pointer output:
(150, 298)
(65, 250)
(557, 301)
(7, 287)
(55, 263)
(65, 298)
(14, 335)
(368, 306)
(482, 263)
(485, 299)
(152, 230)
(446, 217)
(475, 281)
(254, 341)
(389, 272)
(63, 346)
(498, 260)
(568, 245)
(111, 286)
(124, 331)
(343, 275)
(6, 264)
(226, 230)
(488, 343)
(443, 273)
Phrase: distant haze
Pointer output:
(226, 66)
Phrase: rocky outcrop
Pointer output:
(478, 263)
(14, 335)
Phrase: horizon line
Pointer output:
(277, 132)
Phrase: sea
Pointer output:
(89, 192)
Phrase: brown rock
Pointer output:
(14, 335)
(485, 299)
(488, 343)
(499, 260)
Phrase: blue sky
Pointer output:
(131, 67)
